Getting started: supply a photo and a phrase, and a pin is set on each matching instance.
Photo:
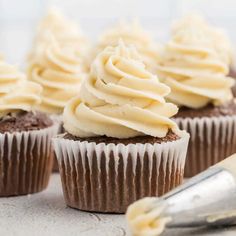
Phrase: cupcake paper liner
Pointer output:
(108, 177)
(212, 139)
(57, 119)
(25, 161)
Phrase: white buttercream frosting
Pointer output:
(60, 71)
(16, 93)
(120, 98)
(65, 31)
(191, 66)
(132, 34)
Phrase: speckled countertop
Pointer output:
(46, 214)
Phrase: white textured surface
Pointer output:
(46, 214)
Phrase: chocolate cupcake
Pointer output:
(57, 64)
(195, 70)
(120, 143)
(25, 136)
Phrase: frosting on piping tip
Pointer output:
(146, 218)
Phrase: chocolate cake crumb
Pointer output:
(170, 136)
(24, 121)
(210, 110)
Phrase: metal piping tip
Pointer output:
(208, 199)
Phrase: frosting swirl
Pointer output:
(192, 67)
(57, 23)
(16, 93)
(219, 39)
(66, 32)
(120, 99)
(59, 70)
(133, 34)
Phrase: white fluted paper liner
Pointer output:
(212, 139)
(108, 177)
(25, 161)
(57, 118)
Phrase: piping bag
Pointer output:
(208, 199)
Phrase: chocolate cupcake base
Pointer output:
(212, 135)
(107, 177)
(25, 161)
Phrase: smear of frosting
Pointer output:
(60, 71)
(191, 66)
(120, 98)
(16, 93)
(132, 34)
(146, 217)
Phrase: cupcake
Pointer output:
(132, 34)
(59, 70)
(197, 74)
(120, 143)
(58, 62)
(25, 135)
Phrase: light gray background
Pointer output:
(18, 17)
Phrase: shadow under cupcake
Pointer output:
(120, 144)
(25, 136)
